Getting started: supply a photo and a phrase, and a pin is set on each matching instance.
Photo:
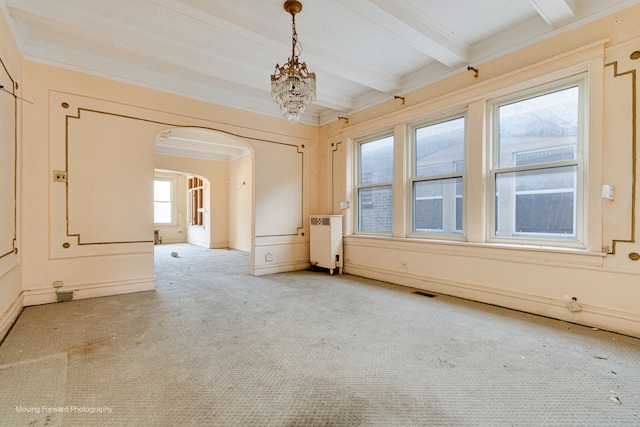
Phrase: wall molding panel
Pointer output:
(102, 165)
(620, 165)
(8, 163)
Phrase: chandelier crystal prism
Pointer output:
(293, 87)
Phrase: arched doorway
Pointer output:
(213, 172)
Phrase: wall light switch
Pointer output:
(344, 205)
(608, 192)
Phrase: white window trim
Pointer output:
(411, 158)
(356, 211)
(580, 162)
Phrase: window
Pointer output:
(195, 190)
(163, 201)
(437, 177)
(375, 166)
(537, 166)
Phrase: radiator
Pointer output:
(325, 241)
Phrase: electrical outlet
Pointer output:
(574, 306)
(404, 265)
(59, 176)
(268, 257)
(58, 284)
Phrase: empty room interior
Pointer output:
(319, 213)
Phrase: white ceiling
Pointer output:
(199, 144)
(223, 51)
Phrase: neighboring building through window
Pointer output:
(195, 190)
(375, 175)
(163, 201)
(537, 165)
(437, 177)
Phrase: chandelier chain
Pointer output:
(294, 38)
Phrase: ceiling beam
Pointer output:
(318, 56)
(415, 29)
(108, 33)
(554, 12)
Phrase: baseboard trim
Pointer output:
(93, 290)
(243, 248)
(219, 245)
(10, 315)
(279, 268)
(593, 316)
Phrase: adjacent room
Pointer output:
(319, 212)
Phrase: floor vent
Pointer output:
(424, 294)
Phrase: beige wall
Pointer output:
(603, 277)
(240, 203)
(10, 182)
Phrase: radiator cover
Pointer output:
(325, 241)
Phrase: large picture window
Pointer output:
(537, 166)
(374, 193)
(438, 177)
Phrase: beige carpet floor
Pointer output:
(214, 346)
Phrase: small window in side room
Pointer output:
(195, 205)
(537, 166)
(163, 201)
(437, 178)
(374, 185)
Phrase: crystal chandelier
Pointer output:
(293, 87)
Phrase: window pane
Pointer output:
(544, 122)
(554, 180)
(540, 201)
(427, 215)
(162, 191)
(376, 161)
(428, 189)
(526, 158)
(545, 213)
(162, 212)
(374, 209)
(440, 148)
(437, 205)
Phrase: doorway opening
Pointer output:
(207, 178)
